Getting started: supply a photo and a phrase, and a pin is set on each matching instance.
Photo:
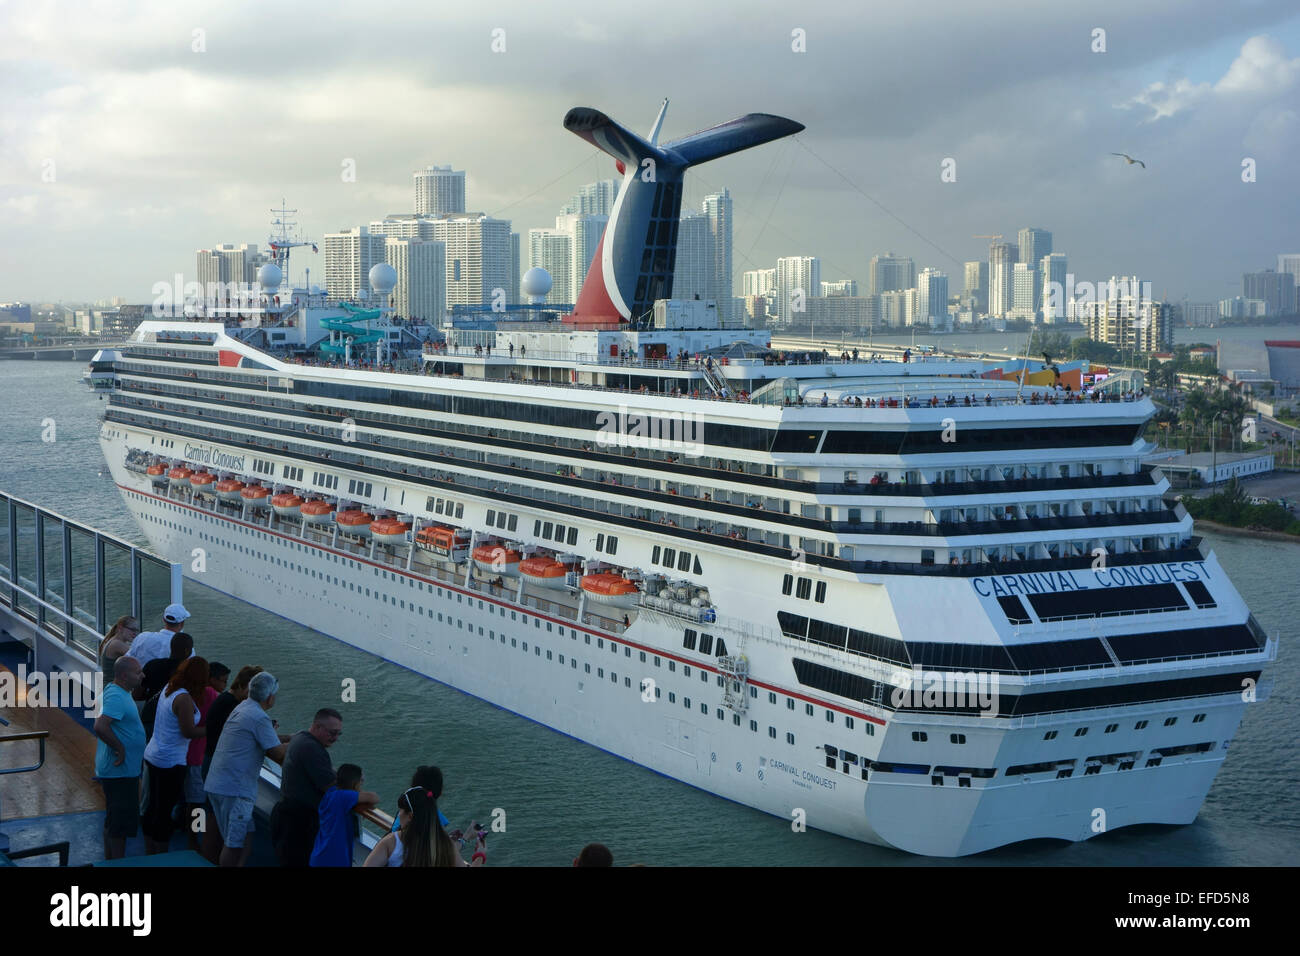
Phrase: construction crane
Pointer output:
(990, 238)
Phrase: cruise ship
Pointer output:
(890, 600)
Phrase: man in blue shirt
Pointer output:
(338, 823)
(119, 755)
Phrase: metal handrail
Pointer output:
(40, 735)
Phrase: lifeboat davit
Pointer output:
(180, 476)
(354, 522)
(316, 511)
(444, 542)
(497, 559)
(389, 530)
(157, 473)
(202, 482)
(611, 589)
(286, 504)
(256, 496)
(543, 571)
(228, 489)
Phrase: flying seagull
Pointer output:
(1131, 160)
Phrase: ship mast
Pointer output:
(283, 238)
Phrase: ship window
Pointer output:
(670, 555)
(789, 738)
(672, 666)
(514, 523)
(1081, 732)
(696, 568)
(460, 511)
(491, 517)
(1198, 718)
(1140, 725)
(437, 508)
(789, 703)
(830, 716)
(684, 561)
(721, 649)
(686, 670)
(600, 643)
(537, 528)
(587, 668)
(687, 702)
(613, 544)
(919, 736)
(771, 732)
(600, 546)
(787, 584)
(657, 661)
(957, 738)
(803, 589)
(706, 643)
(848, 721)
(1111, 728)
(654, 555)
(1170, 721)
(871, 728)
(1050, 735)
(820, 596)
(672, 697)
(559, 532)
(573, 536)
(808, 709)
(546, 529)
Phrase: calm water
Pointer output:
(559, 794)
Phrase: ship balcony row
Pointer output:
(731, 474)
(1067, 554)
(762, 515)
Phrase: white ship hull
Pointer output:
(479, 644)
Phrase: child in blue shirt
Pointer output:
(338, 822)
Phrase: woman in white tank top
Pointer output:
(175, 725)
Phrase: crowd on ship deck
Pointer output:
(180, 745)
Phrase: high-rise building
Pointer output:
(897, 308)
(1290, 263)
(403, 225)
(213, 269)
(931, 299)
(758, 282)
(890, 272)
(593, 199)
(1001, 260)
(798, 278)
(1123, 315)
(228, 263)
(421, 290)
(439, 191)
(1052, 269)
(831, 315)
(1024, 283)
(1034, 244)
(552, 250)
(584, 231)
(1277, 289)
(717, 209)
(693, 276)
(1200, 314)
(976, 286)
(840, 287)
(516, 270)
(1240, 308)
(479, 258)
(349, 254)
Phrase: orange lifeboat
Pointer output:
(389, 530)
(444, 542)
(316, 511)
(228, 489)
(180, 476)
(255, 495)
(543, 571)
(286, 504)
(354, 522)
(497, 559)
(611, 589)
(202, 482)
(157, 473)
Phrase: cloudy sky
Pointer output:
(134, 133)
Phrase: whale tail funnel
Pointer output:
(634, 260)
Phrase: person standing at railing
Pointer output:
(176, 724)
(116, 644)
(308, 773)
(119, 756)
(338, 830)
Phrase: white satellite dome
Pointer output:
(269, 277)
(536, 282)
(383, 277)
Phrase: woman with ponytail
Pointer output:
(420, 839)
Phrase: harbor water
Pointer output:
(555, 794)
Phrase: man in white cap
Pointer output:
(154, 644)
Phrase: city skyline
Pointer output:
(82, 173)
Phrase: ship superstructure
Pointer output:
(896, 600)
